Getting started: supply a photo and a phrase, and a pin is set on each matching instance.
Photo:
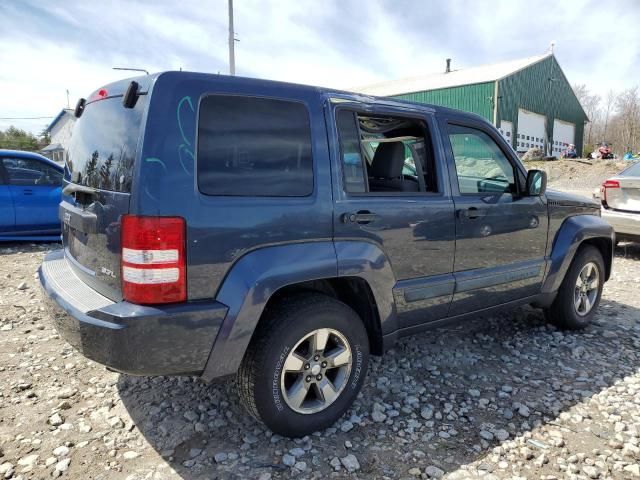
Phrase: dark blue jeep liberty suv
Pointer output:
(217, 225)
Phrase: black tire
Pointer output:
(259, 379)
(563, 312)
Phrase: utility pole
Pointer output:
(232, 40)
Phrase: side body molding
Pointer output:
(249, 285)
(573, 231)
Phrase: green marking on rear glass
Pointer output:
(186, 143)
(182, 100)
(156, 160)
(146, 190)
(189, 152)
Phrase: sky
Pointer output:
(50, 46)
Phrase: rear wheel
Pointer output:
(580, 292)
(305, 365)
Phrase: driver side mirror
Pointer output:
(536, 183)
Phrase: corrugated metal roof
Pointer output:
(455, 78)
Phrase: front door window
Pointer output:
(480, 164)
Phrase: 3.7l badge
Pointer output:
(107, 272)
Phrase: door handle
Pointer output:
(472, 213)
(362, 217)
(27, 191)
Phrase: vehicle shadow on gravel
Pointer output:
(448, 397)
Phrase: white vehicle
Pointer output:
(620, 197)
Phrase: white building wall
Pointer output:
(61, 131)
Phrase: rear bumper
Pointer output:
(135, 339)
(623, 223)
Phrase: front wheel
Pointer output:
(305, 365)
(579, 295)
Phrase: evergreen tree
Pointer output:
(91, 170)
(16, 139)
(105, 173)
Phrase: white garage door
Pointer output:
(564, 133)
(506, 130)
(531, 130)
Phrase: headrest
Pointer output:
(388, 160)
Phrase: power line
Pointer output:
(25, 118)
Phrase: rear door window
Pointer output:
(352, 165)
(27, 172)
(252, 146)
(385, 154)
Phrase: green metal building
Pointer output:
(530, 100)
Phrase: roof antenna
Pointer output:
(552, 45)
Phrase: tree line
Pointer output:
(16, 139)
(614, 119)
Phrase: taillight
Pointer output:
(608, 184)
(153, 259)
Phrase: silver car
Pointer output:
(620, 197)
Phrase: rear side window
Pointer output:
(249, 146)
(31, 173)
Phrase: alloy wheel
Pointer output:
(316, 371)
(586, 289)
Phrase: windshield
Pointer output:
(103, 145)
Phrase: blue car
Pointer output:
(30, 192)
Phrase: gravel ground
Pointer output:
(497, 398)
(578, 176)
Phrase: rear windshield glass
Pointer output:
(254, 147)
(103, 144)
(633, 171)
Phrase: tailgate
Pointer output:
(99, 171)
(91, 239)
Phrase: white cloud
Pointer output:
(34, 81)
(48, 47)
